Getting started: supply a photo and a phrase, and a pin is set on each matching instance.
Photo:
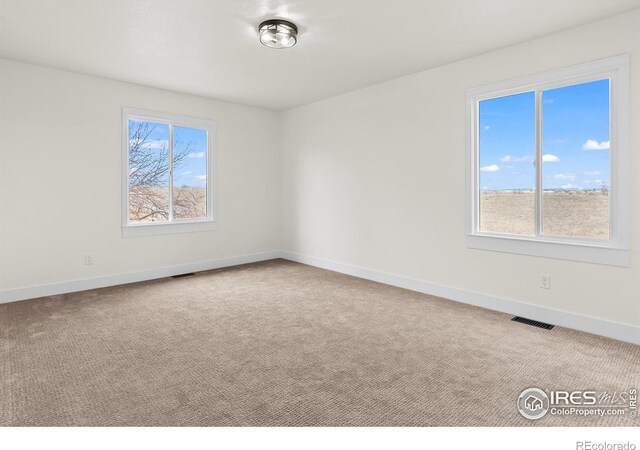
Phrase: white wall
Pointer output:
(375, 178)
(60, 179)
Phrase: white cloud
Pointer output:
(565, 176)
(515, 159)
(592, 144)
(568, 186)
(550, 158)
(201, 177)
(491, 168)
(592, 173)
(198, 155)
(598, 181)
(156, 144)
(188, 172)
(487, 127)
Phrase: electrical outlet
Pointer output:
(88, 259)
(545, 281)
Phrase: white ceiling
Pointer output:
(210, 47)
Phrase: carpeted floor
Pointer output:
(279, 343)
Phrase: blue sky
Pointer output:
(575, 139)
(192, 171)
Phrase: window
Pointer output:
(167, 176)
(548, 164)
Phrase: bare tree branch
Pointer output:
(149, 170)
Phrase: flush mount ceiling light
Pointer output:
(278, 33)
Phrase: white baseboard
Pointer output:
(615, 330)
(13, 295)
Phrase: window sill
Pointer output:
(582, 252)
(155, 229)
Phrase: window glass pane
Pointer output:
(507, 143)
(189, 173)
(148, 171)
(576, 168)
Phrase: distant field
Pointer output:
(565, 213)
(152, 204)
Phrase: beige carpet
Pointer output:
(280, 343)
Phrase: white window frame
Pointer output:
(208, 223)
(614, 251)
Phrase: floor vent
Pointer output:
(182, 275)
(533, 323)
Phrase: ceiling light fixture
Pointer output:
(278, 33)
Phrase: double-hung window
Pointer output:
(167, 173)
(548, 168)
